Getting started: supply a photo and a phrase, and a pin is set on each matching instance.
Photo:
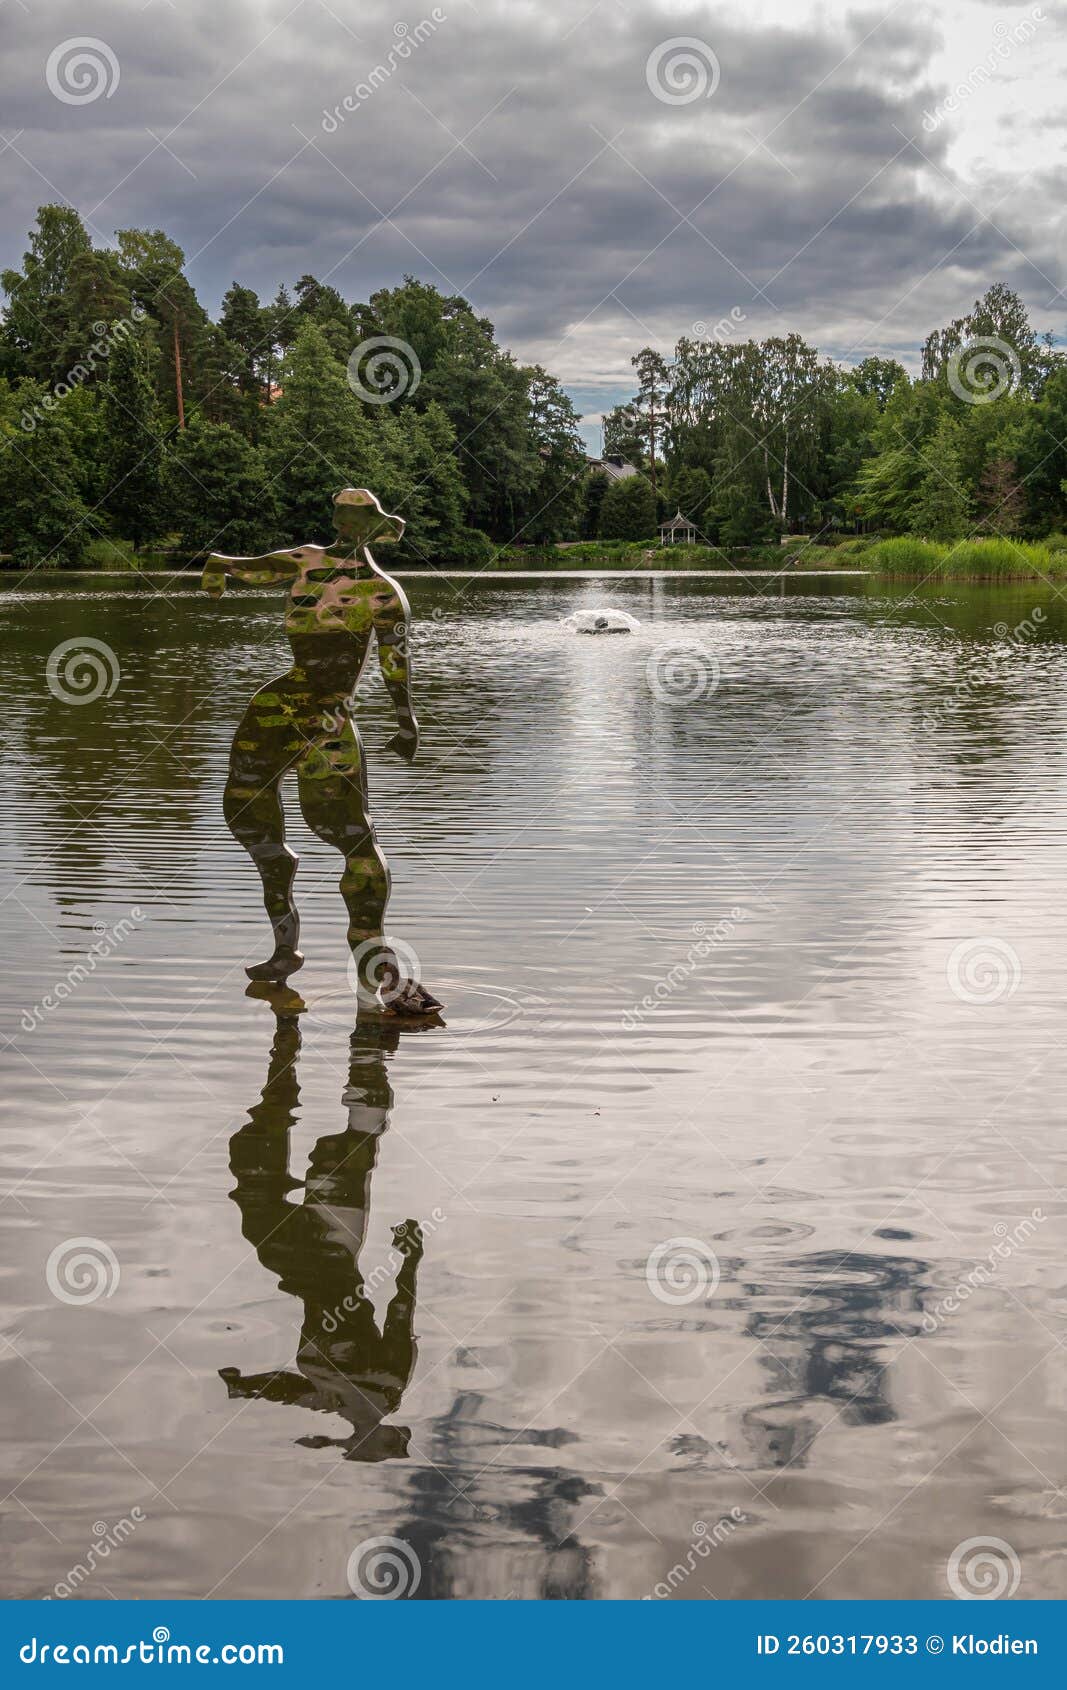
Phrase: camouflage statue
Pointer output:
(303, 722)
(346, 1364)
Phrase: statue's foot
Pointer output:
(409, 998)
(284, 962)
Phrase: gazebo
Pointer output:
(679, 531)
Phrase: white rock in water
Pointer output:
(606, 621)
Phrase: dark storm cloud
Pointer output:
(517, 154)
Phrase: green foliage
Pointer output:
(133, 445)
(623, 432)
(967, 560)
(469, 549)
(247, 329)
(420, 478)
(875, 378)
(941, 506)
(108, 554)
(319, 437)
(217, 493)
(44, 522)
(37, 321)
(690, 492)
(629, 510)
(592, 502)
(236, 433)
(556, 498)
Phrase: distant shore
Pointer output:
(191, 575)
(994, 560)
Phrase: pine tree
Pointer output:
(36, 333)
(132, 435)
(420, 478)
(318, 437)
(652, 378)
(242, 322)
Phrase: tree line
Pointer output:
(130, 419)
(752, 440)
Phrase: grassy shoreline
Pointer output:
(994, 561)
(991, 561)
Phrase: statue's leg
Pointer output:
(333, 797)
(267, 744)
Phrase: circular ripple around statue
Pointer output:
(468, 1010)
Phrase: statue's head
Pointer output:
(358, 518)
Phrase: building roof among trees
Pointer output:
(616, 469)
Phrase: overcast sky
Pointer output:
(804, 171)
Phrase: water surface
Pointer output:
(779, 971)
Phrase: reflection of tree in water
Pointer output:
(826, 1358)
(99, 777)
(486, 1530)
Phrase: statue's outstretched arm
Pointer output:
(265, 571)
(392, 629)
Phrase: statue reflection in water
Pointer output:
(311, 1237)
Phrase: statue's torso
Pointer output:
(331, 613)
(335, 595)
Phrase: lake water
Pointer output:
(739, 1162)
